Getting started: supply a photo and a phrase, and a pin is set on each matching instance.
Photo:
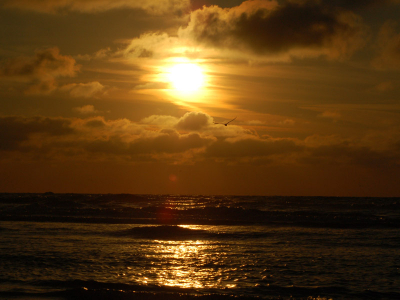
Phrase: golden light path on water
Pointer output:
(184, 264)
(194, 263)
(187, 274)
(187, 264)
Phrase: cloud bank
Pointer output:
(186, 140)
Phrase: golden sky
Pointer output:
(131, 96)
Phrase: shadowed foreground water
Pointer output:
(195, 247)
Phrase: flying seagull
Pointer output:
(226, 124)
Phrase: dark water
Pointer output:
(73, 246)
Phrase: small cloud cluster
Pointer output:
(155, 45)
(41, 70)
(293, 28)
(199, 122)
(384, 86)
(86, 109)
(83, 90)
(92, 6)
(153, 86)
(189, 139)
(194, 121)
(333, 115)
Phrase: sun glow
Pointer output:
(186, 77)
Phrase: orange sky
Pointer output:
(103, 96)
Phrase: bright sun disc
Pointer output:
(186, 77)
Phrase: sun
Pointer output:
(186, 77)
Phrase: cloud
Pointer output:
(46, 63)
(154, 138)
(153, 86)
(262, 27)
(86, 109)
(265, 30)
(330, 115)
(41, 70)
(84, 90)
(202, 122)
(168, 141)
(14, 131)
(389, 47)
(384, 86)
(190, 121)
(252, 147)
(154, 146)
(95, 138)
(53, 138)
(92, 6)
(197, 121)
(371, 151)
(194, 121)
(353, 5)
(161, 120)
(347, 154)
(152, 45)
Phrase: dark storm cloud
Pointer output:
(264, 27)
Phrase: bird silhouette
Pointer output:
(226, 124)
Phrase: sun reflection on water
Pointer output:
(184, 264)
(181, 262)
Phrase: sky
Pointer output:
(132, 96)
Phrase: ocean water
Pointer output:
(76, 246)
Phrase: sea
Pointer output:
(195, 247)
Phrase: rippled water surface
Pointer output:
(131, 247)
